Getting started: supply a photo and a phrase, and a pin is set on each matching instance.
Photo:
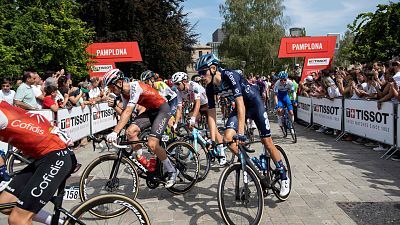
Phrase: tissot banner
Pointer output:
(364, 119)
(102, 117)
(304, 109)
(76, 122)
(327, 112)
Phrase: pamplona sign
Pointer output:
(363, 118)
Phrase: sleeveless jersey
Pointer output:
(31, 133)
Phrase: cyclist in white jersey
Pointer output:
(189, 91)
(281, 89)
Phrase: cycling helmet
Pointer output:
(147, 75)
(283, 75)
(206, 61)
(178, 77)
(112, 76)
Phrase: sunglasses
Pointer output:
(283, 79)
(202, 72)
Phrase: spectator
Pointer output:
(24, 97)
(63, 93)
(95, 93)
(6, 93)
(37, 90)
(370, 89)
(49, 102)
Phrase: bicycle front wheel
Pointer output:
(133, 211)
(204, 160)
(237, 204)
(96, 180)
(184, 158)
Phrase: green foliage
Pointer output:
(164, 34)
(42, 35)
(253, 30)
(376, 35)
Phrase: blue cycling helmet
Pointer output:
(283, 75)
(206, 61)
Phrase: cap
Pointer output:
(309, 79)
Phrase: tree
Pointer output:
(376, 35)
(42, 35)
(253, 31)
(164, 34)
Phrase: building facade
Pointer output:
(197, 51)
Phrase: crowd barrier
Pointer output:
(78, 122)
(358, 117)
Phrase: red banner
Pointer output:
(98, 69)
(307, 46)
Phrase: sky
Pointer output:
(318, 17)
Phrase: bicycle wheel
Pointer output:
(276, 176)
(16, 161)
(133, 212)
(95, 180)
(292, 131)
(232, 206)
(284, 127)
(184, 158)
(204, 159)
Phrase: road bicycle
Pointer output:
(243, 185)
(205, 151)
(118, 172)
(287, 125)
(132, 212)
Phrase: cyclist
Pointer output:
(148, 77)
(52, 163)
(230, 84)
(194, 92)
(156, 115)
(282, 89)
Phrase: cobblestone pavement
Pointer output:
(324, 172)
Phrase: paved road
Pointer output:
(324, 172)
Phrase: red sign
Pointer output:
(115, 51)
(105, 55)
(307, 46)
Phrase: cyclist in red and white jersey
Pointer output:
(53, 162)
(156, 115)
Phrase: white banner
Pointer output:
(327, 112)
(76, 122)
(304, 109)
(364, 119)
(102, 117)
(318, 62)
(47, 113)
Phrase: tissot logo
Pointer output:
(333, 110)
(304, 106)
(74, 121)
(103, 114)
(371, 116)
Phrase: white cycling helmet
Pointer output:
(179, 77)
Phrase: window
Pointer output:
(200, 53)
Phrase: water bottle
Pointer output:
(263, 162)
(152, 164)
(256, 162)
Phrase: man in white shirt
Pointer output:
(6, 93)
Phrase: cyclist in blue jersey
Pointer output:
(283, 87)
(232, 85)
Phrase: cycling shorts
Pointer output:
(156, 119)
(37, 183)
(258, 114)
(285, 101)
(173, 104)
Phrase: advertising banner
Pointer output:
(102, 117)
(327, 112)
(364, 119)
(76, 122)
(317, 47)
(116, 51)
(304, 109)
(46, 113)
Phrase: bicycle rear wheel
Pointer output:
(95, 180)
(231, 203)
(184, 158)
(276, 176)
(133, 212)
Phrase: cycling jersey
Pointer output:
(195, 92)
(144, 95)
(164, 90)
(31, 133)
(282, 91)
(233, 85)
